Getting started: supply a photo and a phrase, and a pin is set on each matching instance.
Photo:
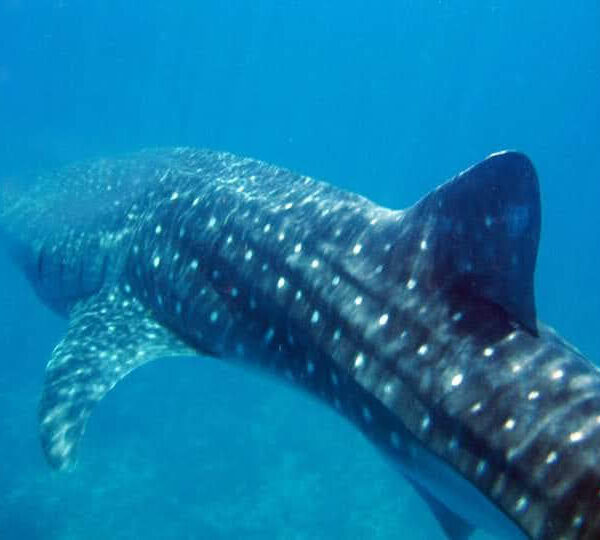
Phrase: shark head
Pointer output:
(418, 325)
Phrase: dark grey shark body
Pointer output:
(417, 325)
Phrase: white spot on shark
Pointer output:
(457, 380)
(576, 436)
(521, 504)
(359, 360)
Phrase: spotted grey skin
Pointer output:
(417, 325)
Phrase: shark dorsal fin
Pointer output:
(484, 228)
(110, 334)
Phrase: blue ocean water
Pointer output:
(387, 99)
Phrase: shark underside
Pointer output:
(418, 325)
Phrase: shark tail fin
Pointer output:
(481, 229)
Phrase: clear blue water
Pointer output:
(386, 98)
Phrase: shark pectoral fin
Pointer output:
(455, 527)
(109, 335)
(483, 230)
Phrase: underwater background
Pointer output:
(387, 98)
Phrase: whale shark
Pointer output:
(419, 326)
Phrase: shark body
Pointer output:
(418, 325)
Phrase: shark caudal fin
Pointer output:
(109, 335)
(479, 234)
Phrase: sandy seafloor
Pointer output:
(386, 98)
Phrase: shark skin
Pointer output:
(417, 325)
